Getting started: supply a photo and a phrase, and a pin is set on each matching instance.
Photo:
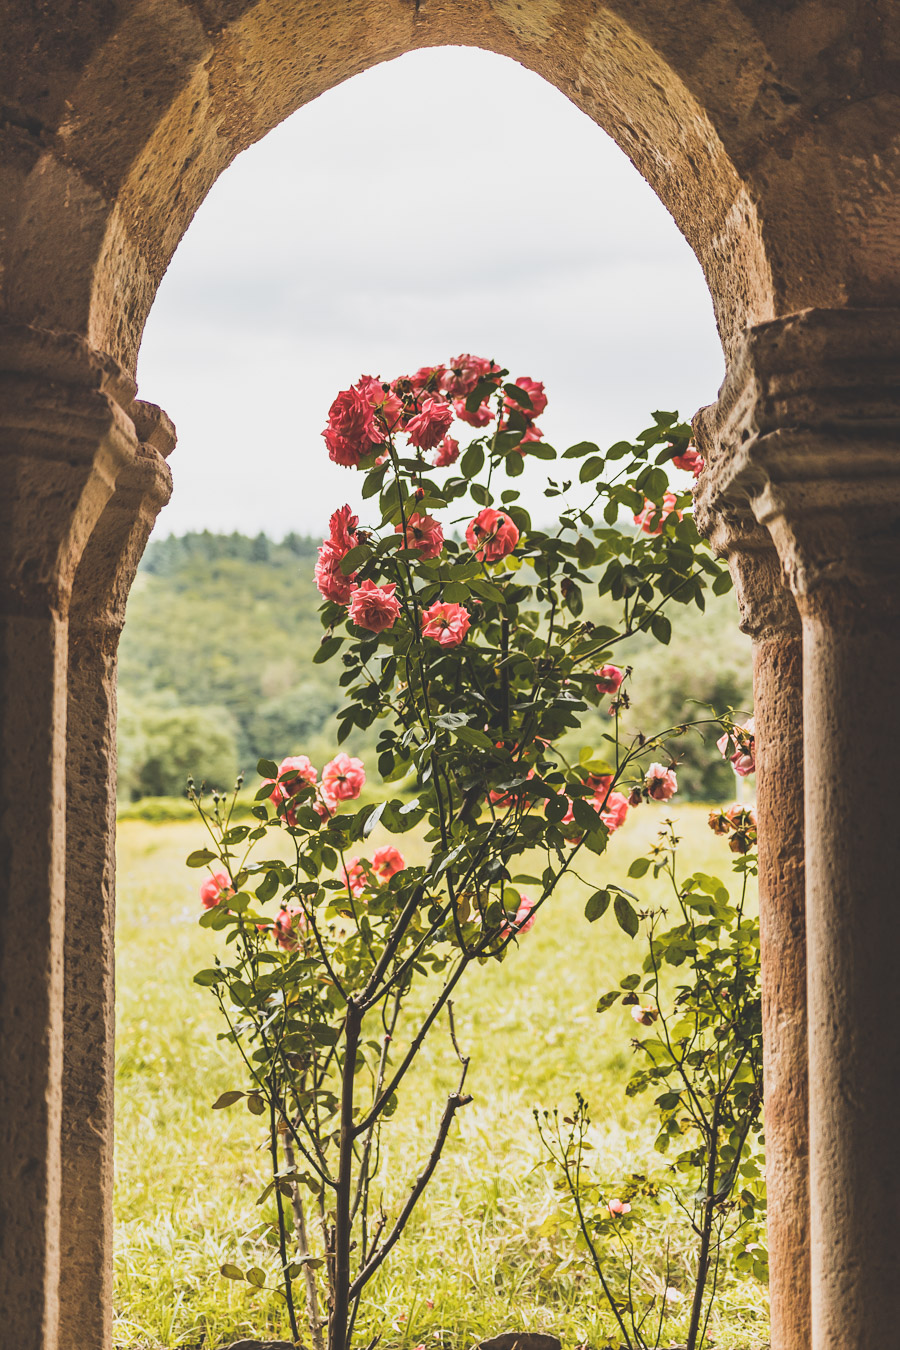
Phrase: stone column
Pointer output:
(96, 616)
(769, 614)
(64, 439)
(808, 427)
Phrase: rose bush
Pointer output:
(698, 998)
(459, 628)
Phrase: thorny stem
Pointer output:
(282, 1231)
(340, 1291)
(309, 1275)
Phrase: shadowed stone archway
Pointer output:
(772, 134)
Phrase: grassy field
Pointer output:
(486, 1251)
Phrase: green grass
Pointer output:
(486, 1252)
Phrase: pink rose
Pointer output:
(431, 378)
(384, 401)
(465, 372)
(299, 771)
(609, 678)
(491, 535)
(447, 453)
(652, 518)
(532, 433)
(343, 778)
(614, 813)
(718, 822)
(214, 889)
(617, 1207)
(535, 391)
(523, 921)
(741, 817)
(289, 921)
(355, 877)
(374, 607)
(387, 861)
(644, 1016)
(429, 427)
(424, 534)
(483, 414)
(599, 784)
(351, 431)
(691, 461)
(296, 770)
(330, 580)
(446, 623)
(661, 783)
(342, 531)
(743, 760)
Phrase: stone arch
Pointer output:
(702, 101)
(771, 131)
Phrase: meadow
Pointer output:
(489, 1249)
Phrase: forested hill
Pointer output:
(216, 668)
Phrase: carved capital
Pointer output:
(806, 437)
(765, 603)
(71, 432)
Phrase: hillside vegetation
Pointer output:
(216, 670)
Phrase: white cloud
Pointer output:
(447, 201)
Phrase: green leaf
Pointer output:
(207, 978)
(488, 591)
(580, 450)
(256, 1276)
(372, 819)
(584, 814)
(596, 906)
(471, 736)
(267, 887)
(661, 629)
(472, 461)
(607, 1000)
(227, 1099)
(267, 768)
(591, 468)
(518, 395)
(255, 1104)
(326, 649)
(639, 867)
(626, 917)
(200, 857)
(231, 1272)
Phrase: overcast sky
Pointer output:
(448, 201)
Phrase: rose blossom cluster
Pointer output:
(737, 821)
(423, 407)
(343, 536)
(612, 807)
(738, 745)
(289, 921)
(386, 862)
(342, 780)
